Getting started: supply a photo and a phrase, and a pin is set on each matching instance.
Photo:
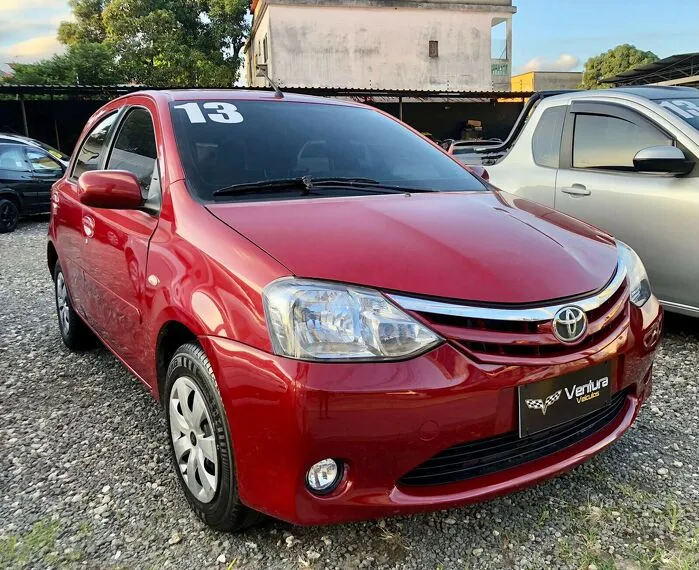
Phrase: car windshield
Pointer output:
(685, 109)
(225, 143)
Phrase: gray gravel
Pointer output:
(85, 479)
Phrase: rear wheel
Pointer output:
(200, 442)
(74, 332)
(9, 216)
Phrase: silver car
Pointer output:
(623, 160)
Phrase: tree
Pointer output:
(149, 42)
(621, 58)
(83, 63)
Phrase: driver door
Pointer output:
(115, 250)
(653, 213)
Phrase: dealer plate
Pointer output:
(545, 404)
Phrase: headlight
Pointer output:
(638, 279)
(313, 320)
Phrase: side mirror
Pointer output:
(665, 159)
(114, 189)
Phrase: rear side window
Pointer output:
(602, 141)
(91, 149)
(12, 158)
(134, 147)
(546, 142)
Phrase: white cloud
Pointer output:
(28, 29)
(32, 49)
(564, 62)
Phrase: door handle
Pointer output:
(88, 226)
(576, 190)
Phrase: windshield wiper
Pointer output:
(307, 183)
(304, 183)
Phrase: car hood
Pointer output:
(488, 247)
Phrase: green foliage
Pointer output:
(83, 63)
(149, 42)
(611, 63)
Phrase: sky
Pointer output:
(547, 34)
(562, 34)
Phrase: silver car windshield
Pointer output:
(685, 109)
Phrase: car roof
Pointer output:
(649, 92)
(170, 95)
(658, 91)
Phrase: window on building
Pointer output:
(498, 39)
(434, 48)
(611, 142)
(264, 49)
(546, 142)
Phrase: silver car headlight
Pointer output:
(638, 279)
(315, 320)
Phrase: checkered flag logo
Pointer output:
(543, 405)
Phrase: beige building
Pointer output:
(427, 45)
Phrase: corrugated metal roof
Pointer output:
(115, 90)
(673, 67)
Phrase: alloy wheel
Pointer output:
(62, 304)
(193, 439)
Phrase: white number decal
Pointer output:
(685, 109)
(223, 112)
(194, 113)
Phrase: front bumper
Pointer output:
(384, 419)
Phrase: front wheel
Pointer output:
(200, 442)
(9, 216)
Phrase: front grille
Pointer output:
(529, 342)
(485, 456)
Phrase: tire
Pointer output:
(9, 216)
(200, 442)
(75, 333)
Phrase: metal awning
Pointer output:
(110, 91)
(673, 68)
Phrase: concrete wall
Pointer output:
(372, 45)
(253, 56)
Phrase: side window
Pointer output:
(42, 163)
(134, 150)
(546, 142)
(12, 158)
(602, 141)
(91, 149)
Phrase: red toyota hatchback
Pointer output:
(340, 320)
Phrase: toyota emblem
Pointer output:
(569, 324)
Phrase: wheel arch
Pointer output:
(10, 194)
(51, 257)
(171, 336)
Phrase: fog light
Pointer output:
(324, 476)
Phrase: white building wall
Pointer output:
(375, 47)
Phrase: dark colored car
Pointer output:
(26, 176)
(19, 139)
(340, 320)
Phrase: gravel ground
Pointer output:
(85, 480)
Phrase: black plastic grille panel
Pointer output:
(486, 456)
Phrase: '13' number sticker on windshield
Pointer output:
(217, 112)
(685, 109)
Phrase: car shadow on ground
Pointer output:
(682, 324)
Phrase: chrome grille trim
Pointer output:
(544, 313)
